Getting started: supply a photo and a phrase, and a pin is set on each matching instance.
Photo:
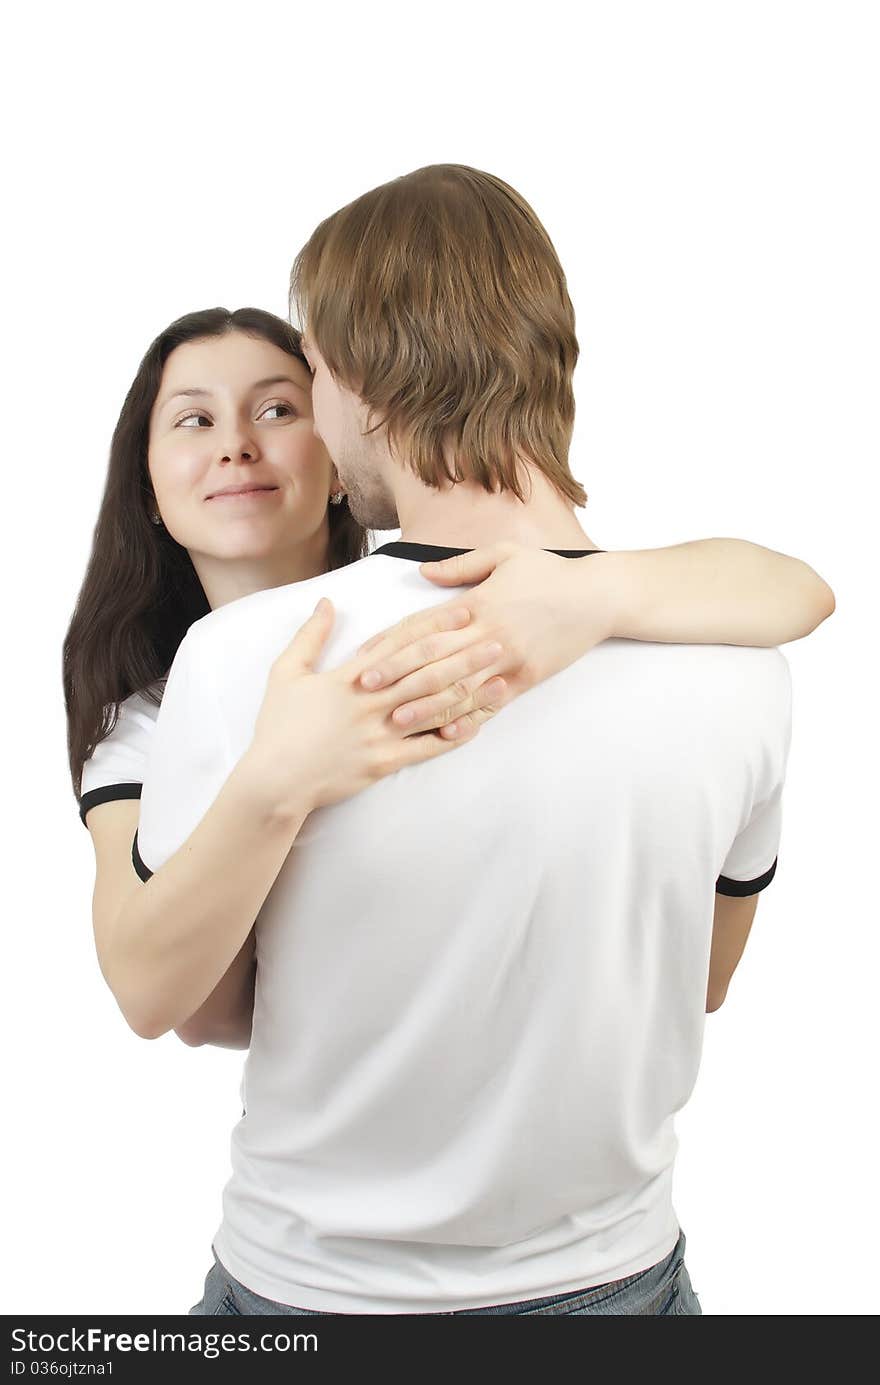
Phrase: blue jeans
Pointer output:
(663, 1289)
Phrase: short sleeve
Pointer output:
(189, 758)
(751, 862)
(116, 767)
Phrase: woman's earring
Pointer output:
(156, 517)
(337, 497)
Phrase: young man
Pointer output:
(482, 983)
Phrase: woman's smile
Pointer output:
(241, 494)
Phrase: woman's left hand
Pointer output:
(545, 610)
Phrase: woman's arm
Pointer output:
(227, 1016)
(549, 610)
(177, 948)
(111, 783)
(713, 591)
(707, 591)
(224, 1019)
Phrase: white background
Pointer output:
(708, 174)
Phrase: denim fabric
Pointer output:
(663, 1289)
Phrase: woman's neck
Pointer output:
(228, 579)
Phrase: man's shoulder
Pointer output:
(262, 610)
(732, 676)
(744, 660)
(762, 667)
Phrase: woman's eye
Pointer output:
(186, 418)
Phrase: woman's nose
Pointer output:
(238, 446)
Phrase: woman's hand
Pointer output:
(545, 610)
(320, 738)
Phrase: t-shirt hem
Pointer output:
(318, 1300)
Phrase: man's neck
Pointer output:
(466, 516)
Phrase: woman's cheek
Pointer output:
(303, 467)
(180, 484)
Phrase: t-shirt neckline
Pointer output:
(432, 552)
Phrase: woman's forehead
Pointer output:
(225, 366)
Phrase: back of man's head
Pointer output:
(439, 299)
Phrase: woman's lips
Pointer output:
(253, 493)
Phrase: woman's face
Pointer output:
(236, 468)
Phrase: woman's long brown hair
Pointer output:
(140, 593)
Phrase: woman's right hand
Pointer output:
(321, 737)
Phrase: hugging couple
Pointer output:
(462, 854)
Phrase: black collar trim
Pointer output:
(434, 553)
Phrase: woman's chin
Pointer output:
(241, 541)
(249, 552)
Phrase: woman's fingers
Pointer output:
(493, 696)
(427, 745)
(410, 658)
(436, 693)
(302, 652)
(478, 691)
(416, 627)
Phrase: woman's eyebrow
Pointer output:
(197, 390)
(279, 380)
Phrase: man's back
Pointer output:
(481, 982)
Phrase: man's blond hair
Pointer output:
(439, 299)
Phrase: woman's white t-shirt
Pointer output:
(117, 766)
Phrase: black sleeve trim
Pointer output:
(143, 871)
(108, 794)
(739, 888)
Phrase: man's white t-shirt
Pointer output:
(481, 981)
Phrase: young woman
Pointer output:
(217, 389)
